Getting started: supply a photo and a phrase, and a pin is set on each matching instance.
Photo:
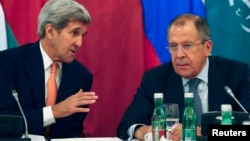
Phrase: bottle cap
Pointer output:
(226, 107)
(158, 95)
(187, 95)
(246, 122)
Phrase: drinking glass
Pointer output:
(172, 116)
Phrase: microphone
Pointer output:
(15, 95)
(229, 91)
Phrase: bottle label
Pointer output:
(157, 135)
(189, 135)
(226, 118)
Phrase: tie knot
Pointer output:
(53, 67)
(193, 84)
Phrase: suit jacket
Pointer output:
(163, 79)
(21, 68)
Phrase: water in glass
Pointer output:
(172, 116)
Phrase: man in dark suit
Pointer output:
(62, 25)
(190, 48)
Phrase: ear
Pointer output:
(49, 31)
(209, 46)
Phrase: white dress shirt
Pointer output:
(202, 87)
(48, 117)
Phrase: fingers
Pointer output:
(141, 131)
(175, 137)
(176, 133)
(74, 104)
(85, 98)
(199, 131)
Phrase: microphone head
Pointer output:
(229, 91)
(14, 93)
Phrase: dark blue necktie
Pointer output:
(193, 85)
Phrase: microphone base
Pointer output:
(15, 139)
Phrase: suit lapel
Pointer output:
(174, 89)
(35, 72)
(215, 86)
(68, 83)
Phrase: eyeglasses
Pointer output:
(173, 47)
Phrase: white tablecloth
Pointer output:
(41, 138)
(89, 139)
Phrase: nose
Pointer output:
(180, 52)
(79, 41)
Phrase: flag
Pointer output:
(229, 22)
(7, 38)
(21, 19)
(3, 37)
(11, 39)
(157, 15)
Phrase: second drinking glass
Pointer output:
(172, 117)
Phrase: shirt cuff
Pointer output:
(48, 117)
(131, 131)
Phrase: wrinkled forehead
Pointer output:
(182, 26)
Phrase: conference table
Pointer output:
(110, 139)
(41, 138)
(89, 139)
(93, 139)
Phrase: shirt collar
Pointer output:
(46, 59)
(203, 75)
